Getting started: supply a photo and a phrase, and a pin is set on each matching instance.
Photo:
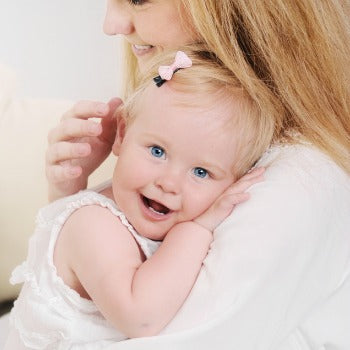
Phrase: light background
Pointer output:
(58, 50)
(58, 54)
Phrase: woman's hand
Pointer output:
(234, 195)
(77, 146)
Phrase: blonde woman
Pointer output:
(277, 275)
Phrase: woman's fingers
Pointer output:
(72, 128)
(74, 123)
(78, 145)
(62, 172)
(87, 109)
(109, 121)
(62, 151)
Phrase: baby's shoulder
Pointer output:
(93, 229)
(94, 216)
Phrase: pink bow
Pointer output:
(181, 61)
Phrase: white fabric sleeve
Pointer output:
(272, 263)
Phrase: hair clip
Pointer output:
(166, 72)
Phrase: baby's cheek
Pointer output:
(198, 203)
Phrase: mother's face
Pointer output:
(150, 26)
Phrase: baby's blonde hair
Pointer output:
(207, 78)
(292, 58)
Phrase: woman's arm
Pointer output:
(78, 145)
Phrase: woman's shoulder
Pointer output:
(303, 192)
(305, 165)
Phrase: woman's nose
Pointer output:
(118, 19)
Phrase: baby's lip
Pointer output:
(155, 206)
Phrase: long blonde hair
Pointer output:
(292, 57)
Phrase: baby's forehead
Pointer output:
(171, 95)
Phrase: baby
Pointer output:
(119, 261)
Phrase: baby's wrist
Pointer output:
(195, 229)
(202, 225)
(203, 222)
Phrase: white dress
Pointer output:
(48, 314)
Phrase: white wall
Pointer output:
(58, 49)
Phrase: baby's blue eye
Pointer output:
(200, 172)
(157, 151)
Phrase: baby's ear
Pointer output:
(119, 137)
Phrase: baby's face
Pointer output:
(174, 160)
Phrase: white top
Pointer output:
(277, 276)
(48, 314)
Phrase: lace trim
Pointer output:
(23, 273)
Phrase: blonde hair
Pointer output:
(292, 58)
(208, 79)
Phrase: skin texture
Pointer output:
(138, 296)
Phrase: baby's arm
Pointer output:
(140, 298)
(166, 279)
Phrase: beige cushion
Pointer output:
(24, 125)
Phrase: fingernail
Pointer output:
(102, 109)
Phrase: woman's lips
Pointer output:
(140, 50)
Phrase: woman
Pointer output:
(277, 276)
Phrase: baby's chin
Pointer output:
(152, 235)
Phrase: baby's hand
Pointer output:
(77, 146)
(234, 195)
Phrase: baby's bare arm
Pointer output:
(98, 257)
(141, 297)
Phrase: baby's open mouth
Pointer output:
(155, 206)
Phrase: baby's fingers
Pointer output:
(246, 181)
(230, 200)
(256, 172)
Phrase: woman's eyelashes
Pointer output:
(137, 2)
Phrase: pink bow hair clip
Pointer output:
(166, 72)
